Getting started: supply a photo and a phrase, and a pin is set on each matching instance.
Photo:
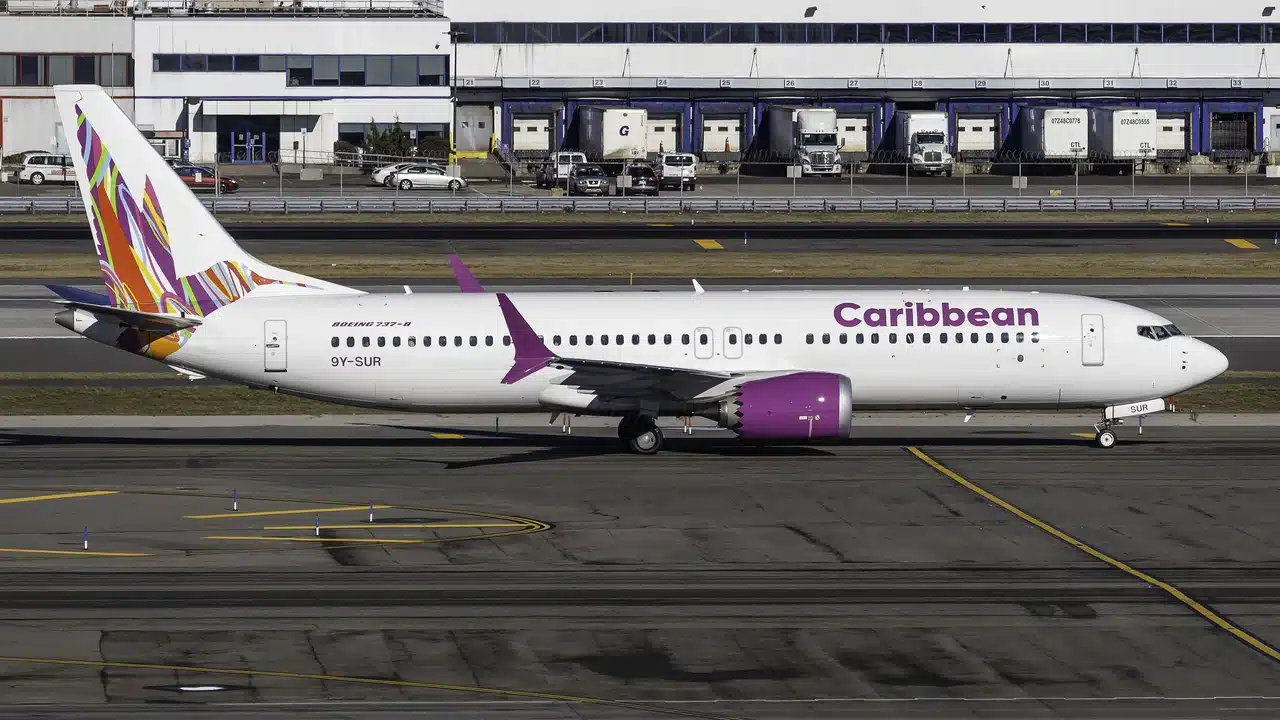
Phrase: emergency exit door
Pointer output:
(275, 346)
(733, 343)
(703, 343)
(1092, 351)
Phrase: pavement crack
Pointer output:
(814, 541)
(935, 498)
(324, 686)
(596, 511)
(102, 673)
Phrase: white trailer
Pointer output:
(1055, 133)
(921, 135)
(1123, 133)
(616, 134)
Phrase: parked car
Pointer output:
(555, 170)
(177, 162)
(678, 170)
(588, 180)
(384, 175)
(37, 168)
(644, 181)
(428, 177)
(204, 179)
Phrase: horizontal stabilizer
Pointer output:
(144, 321)
(75, 294)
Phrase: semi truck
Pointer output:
(805, 137)
(614, 135)
(922, 137)
(1055, 133)
(1123, 133)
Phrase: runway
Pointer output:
(523, 236)
(1240, 318)
(838, 581)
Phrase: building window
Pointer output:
(351, 70)
(433, 70)
(246, 63)
(404, 70)
(85, 70)
(221, 63)
(60, 69)
(194, 63)
(324, 70)
(8, 71)
(30, 70)
(377, 70)
(299, 70)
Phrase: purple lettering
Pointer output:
(875, 317)
(1002, 316)
(1025, 313)
(840, 315)
(926, 316)
(894, 315)
(952, 317)
(978, 317)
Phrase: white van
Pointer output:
(556, 168)
(39, 168)
(678, 170)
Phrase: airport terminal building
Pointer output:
(247, 79)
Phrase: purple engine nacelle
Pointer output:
(801, 406)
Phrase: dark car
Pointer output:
(644, 181)
(588, 180)
(202, 179)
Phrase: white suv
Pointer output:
(678, 170)
(40, 168)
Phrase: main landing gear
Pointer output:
(640, 434)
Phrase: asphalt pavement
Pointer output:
(522, 573)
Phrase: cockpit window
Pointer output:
(1158, 332)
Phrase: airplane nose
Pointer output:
(1210, 361)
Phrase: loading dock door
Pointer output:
(1092, 351)
(1172, 138)
(722, 135)
(531, 134)
(975, 134)
(475, 128)
(854, 133)
(663, 133)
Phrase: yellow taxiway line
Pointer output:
(269, 538)
(709, 245)
(1173, 591)
(1242, 244)
(265, 513)
(447, 436)
(397, 526)
(57, 496)
(87, 553)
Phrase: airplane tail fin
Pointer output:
(160, 250)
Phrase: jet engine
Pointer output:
(800, 406)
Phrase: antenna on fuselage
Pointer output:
(697, 288)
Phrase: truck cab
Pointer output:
(817, 147)
(929, 154)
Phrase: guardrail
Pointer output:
(361, 205)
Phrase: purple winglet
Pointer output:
(466, 281)
(531, 353)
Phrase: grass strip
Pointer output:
(1235, 393)
(724, 265)
(734, 218)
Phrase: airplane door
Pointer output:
(703, 343)
(1092, 351)
(733, 343)
(275, 345)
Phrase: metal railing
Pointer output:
(360, 205)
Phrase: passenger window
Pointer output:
(471, 341)
(589, 339)
(826, 338)
(555, 340)
(444, 341)
(702, 338)
(763, 339)
(488, 340)
(959, 338)
(1004, 337)
(1035, 337)
(335, 342)
(942, 338)
(395, 341)
(777, 338)
(573, 339)
(925, 337)
(635, 339)
(747, 338)
(426, 341)
(733, 339)
(506, 340)
(382, 342)
(991, 338)
(351, 342)
(911, 338)
(604, 339)
(1021, 337)
(620, 340)
(666, 339)
(809, 338)
(364, 342)
(457, 341)
(844, 338)
(412, 340)
(653, 339)
(875, 338)
(973, 337)
(893, 338)
(684, 339)
(858, 338)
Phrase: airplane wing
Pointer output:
(616, 379)
(467, 282)
(137, 319)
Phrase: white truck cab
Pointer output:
(556, 168)
(678, 170)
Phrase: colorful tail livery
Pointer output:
(160, 250)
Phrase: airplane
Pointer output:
(770, 365)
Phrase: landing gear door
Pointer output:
(733, 343)
(703, 343)
(275, 346)
(1092, 351)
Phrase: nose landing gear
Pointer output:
(640, 434)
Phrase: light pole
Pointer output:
(454, 34)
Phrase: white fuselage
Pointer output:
(1071, 352)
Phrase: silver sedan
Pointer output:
(429, 178)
